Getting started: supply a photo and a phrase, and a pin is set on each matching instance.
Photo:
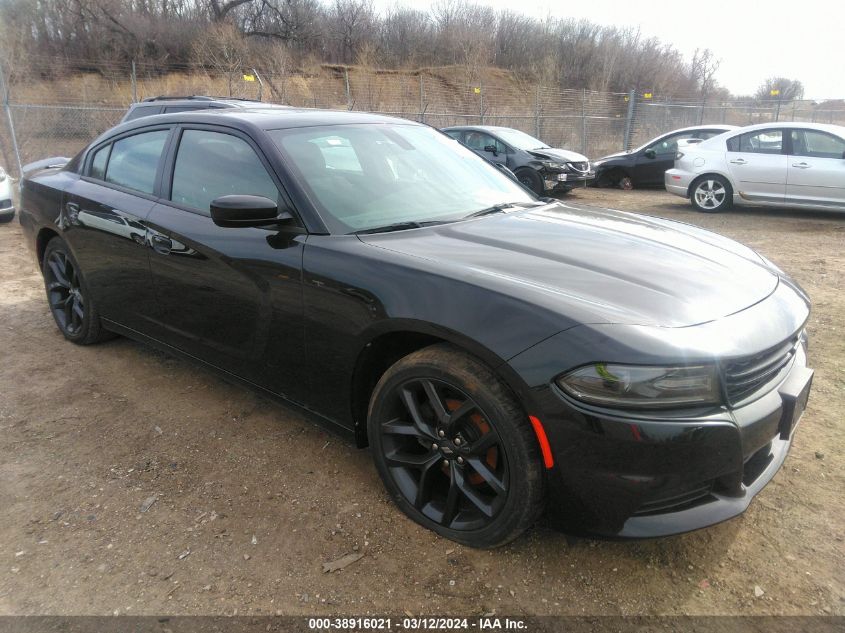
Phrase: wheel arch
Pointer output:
(41, 240)
(387, 344)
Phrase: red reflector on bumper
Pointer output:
(548, 460)
(676, 177)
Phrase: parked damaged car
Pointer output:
(537, 166)
(501, 355)
(645, 166)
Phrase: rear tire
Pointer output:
(711, 194)
(4, 219)
(454, 448)
(531, 179)
(69, 298)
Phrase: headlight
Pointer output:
(642, 386)
(679, 155)
(550, 164)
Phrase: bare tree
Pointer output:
(222, 48)
(788, 89)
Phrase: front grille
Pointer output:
(582, 166)
(746, 375)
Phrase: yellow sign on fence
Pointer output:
(477, 90)
(249, 77)
(774, 92)
(647, 95)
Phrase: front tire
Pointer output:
(711, 194)
(454, 449)
(531, 179)
(68, 296)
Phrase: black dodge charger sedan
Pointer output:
(500, 355)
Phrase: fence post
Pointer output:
(4, 89)
(480, 100)
(777, 111)
(584, 121)
(134, 78)
(348, 91)
(422, 100)
(537, 112)
(629, 121)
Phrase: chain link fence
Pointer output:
(59, 117)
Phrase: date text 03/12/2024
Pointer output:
(485, 623)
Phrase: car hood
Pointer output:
(616, 155)
(564, 155)
(593, 265)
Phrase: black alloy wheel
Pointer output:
(465, 465)
(531, 179)
(69, 301)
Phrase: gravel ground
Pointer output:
(135, 483)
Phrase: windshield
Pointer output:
(367, 176)
(520, 140)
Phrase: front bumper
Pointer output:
(677, 181)
(564, 181)
(640, 474)
(636, 477)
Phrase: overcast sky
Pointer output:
(755, 39)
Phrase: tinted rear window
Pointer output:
(134, 160)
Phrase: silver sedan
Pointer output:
(799, 165)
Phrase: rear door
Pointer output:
(105, 213)
(816, 168)
(230, 296)
(757, 164)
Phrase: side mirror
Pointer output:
(650, 153)
(491, 149)
(242, 211)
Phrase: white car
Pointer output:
(7, 207)
(798, 165)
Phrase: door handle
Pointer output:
(161, 244)
(739, 161)
(802, 165)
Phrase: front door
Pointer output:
(653, 161)
(229, 296)
(487, 147)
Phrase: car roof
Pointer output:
(235, 102)
(823, 127)
(266, 117)
(483, 128)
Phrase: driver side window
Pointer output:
(669, 145)
(479, 141)
(213, 164)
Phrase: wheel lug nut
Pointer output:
(457, 441)
(441, 433)
(460, 460)
(445, 462)
(434, 447)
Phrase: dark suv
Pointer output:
(166, 105)
(536, 165)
